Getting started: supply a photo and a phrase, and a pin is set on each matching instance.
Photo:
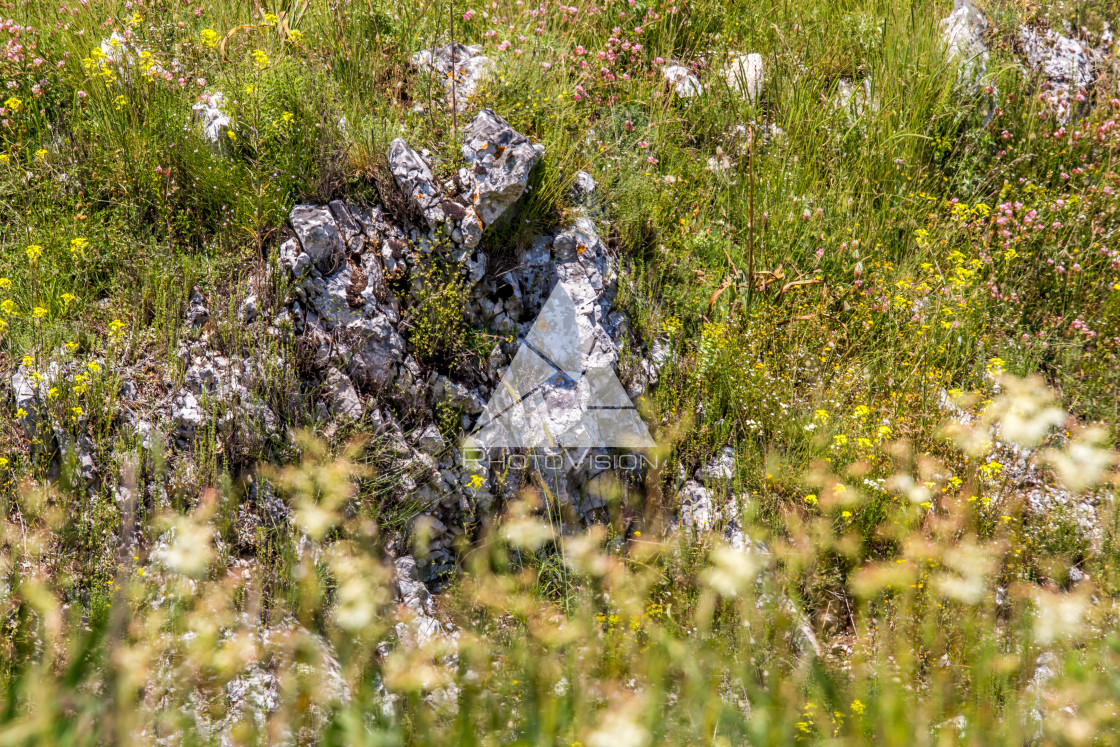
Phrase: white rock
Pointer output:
(684, 82)
(963, 34)
(501, 160)
(744, 75)
(319, 236)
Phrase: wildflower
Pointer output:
(839, 439)
(287, 117)
(5, 283)
(858, 707)
(41, 153)
(68, 298)
(4, 158)
(296, 35)
(14, 104)
(21, 413)
(76, 412)
(53, 392)
(39, 312)
(209, 38)
(120, 102)
(115, 327)
(260, 59)
(27, 361)
(811, 499)
(93, 366)
(34, 251)
(3, 462)
(8, 306)
(77, 245)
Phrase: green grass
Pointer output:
(882, 278)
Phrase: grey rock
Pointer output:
(457, 395)
(456, 65)
(697, 512)
(187, 416)
(963, 34)
(215, 124)
(415, 180)
(1063, 63)
(342, 395)
(318, 235)
(685, 84)
(720, 470)
(744, 75)
(248, 311)
(197, 312)
(292, 258)
(501, 159)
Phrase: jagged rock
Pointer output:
(197, 312)
(430, 441)
(583, 190)
(685, 84)
(319, 236)
(215, 124)
(247, 312)
(292, 258)
(456, 395)
(27, 400)
(377, 353)
(344, 398)
(415, 180)
(1064, 64)
(720, 470)
(744, 75)
(697, 512)
(855, 100)
(501, 160)
(963, 34)
(187, 416)
(469, 69)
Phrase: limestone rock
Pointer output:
(501, 159)
(457, 66)
(215, 124)
(744, 75)
(685, 84)
(1065, 66)
(415, 180)
(344, 398)
(319, 236)
(963, 34)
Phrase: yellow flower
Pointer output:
(34, 251)
(858, 707)
(39, 312)
(14, 104)
(115, 327)
(77, 412)
(3, 462)
(839, 439)
(260, 59)
(297, 35)
(41, 153)
(209, 38)
(27, 361)
(811, 499)
(21, 413)
(8, 306)
(4, 158)
(93, 366)
(269, 20)
(71, 346)
(68, 297)
(287, 117)
(232, 135)
(5, 284)
(120, 102)
(78, 244)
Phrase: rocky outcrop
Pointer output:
(501, 159)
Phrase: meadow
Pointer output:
(891, 288)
